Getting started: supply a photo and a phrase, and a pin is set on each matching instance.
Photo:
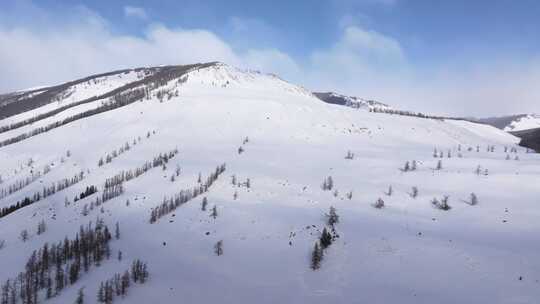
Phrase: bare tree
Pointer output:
(414, 192)
(24, 235)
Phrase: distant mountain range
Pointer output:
(513, 123)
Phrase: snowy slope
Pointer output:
(407, 252)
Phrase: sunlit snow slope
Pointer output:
(406, 252)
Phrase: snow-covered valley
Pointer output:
(279, 143)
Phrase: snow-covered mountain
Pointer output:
(214, 176)
(527, 122)
(351, 101)
(514, 123)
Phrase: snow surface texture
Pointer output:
(406, 252)
(531, 121)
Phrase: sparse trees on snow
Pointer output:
(442, 204)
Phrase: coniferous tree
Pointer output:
(24, 235)
(125, 281)
(218, 248)
(439, 165)
(117, 231)
(390, 191)
(333, 217)
(325, 239)
(204, 203)
(406, 167)
(474, 199)
(101, 293)
(379, 203)
(41, 227)
(316, 257)
(80, 296)
(214, 213)
(414, 192)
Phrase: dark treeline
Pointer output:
(108, 194)
(87, 192)
(116, 102)
(413, 114)
(114, 185)
(54, 267)
(19, 184)
(124, 148)
(119, 284)
(170, 204)
(39, 195)
(160, 77)
(124, 176)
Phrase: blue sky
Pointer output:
(449, 57)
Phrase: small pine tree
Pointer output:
(204, 203)
(474, 199)
(24, 235)
(390, 191)
(117, 231)
(218, 248)
(101, 293)
(214, 213)
(407, 167)
(379, 204)
(439, 165)
(332, 216)
(325, 239)
(414, 192)
(80, 296)
(316, 257)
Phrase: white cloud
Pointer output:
(362, 62)
(135, 12)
